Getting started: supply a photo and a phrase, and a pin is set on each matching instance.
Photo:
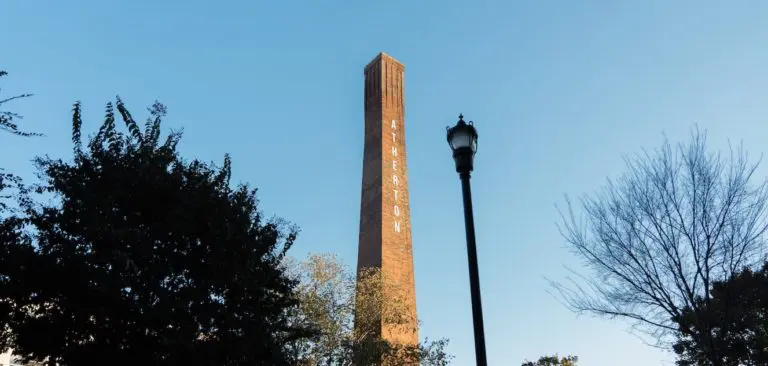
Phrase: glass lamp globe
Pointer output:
(462, 138)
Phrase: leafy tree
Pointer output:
(736, 318)
(332, 300)
(553, 361)
(7, 118)
(9, 182)
(8, 124)
(661, 235)
(144, 258)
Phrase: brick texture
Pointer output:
(385, 224)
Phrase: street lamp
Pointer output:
(463, 141)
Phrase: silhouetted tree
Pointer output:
(736, 319)
(144, 258)
(658, 238)
(8, 118)
(8, 124)
(9, 182)
(553, 361)
(332, 299)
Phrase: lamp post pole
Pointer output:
(463, 141)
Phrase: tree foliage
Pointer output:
(8, 119)
(143, 258)
(735, 316)
(658, 238)
(553, 361)
(8, 124)
(333, 300)
(9, 182)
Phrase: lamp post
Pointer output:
(463, 141)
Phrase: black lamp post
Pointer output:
(463, 141)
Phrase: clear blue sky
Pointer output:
(559, 90)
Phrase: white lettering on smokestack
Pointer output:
(395, 179)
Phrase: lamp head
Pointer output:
(462, 138)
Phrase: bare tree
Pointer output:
(658, 237)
